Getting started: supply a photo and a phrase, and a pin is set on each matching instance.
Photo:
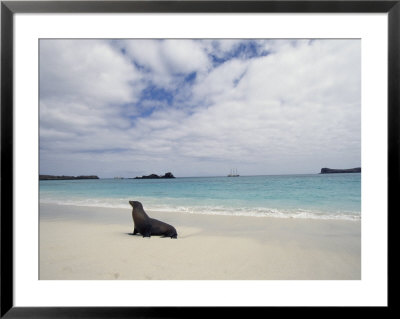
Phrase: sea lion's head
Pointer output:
(136, 204)
(137, 210)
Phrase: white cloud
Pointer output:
(184, 56)
(83, 84)
(220, 49)
(295, 110)
(89, 71)
(220, 83)
(164, 59)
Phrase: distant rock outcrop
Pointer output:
(168, 175)
(63, 177)
(151, 176)
(154, 176)
(326, 170)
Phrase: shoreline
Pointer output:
(230, 212)
(79, 242)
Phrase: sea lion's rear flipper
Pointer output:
(175, 236)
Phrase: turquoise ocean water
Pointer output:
(331, 196)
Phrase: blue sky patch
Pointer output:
(155, 93)
(191, 78)
(245, 50)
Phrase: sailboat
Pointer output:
(233, 173)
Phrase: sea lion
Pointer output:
(147, 226)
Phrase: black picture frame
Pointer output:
(9, 8)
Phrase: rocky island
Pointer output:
(63, 177)
(154, 176)
(326, 170)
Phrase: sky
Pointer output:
(199, 107)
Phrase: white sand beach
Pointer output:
(97, 243)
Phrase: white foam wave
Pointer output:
(211, 210)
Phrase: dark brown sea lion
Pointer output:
(147, 226)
